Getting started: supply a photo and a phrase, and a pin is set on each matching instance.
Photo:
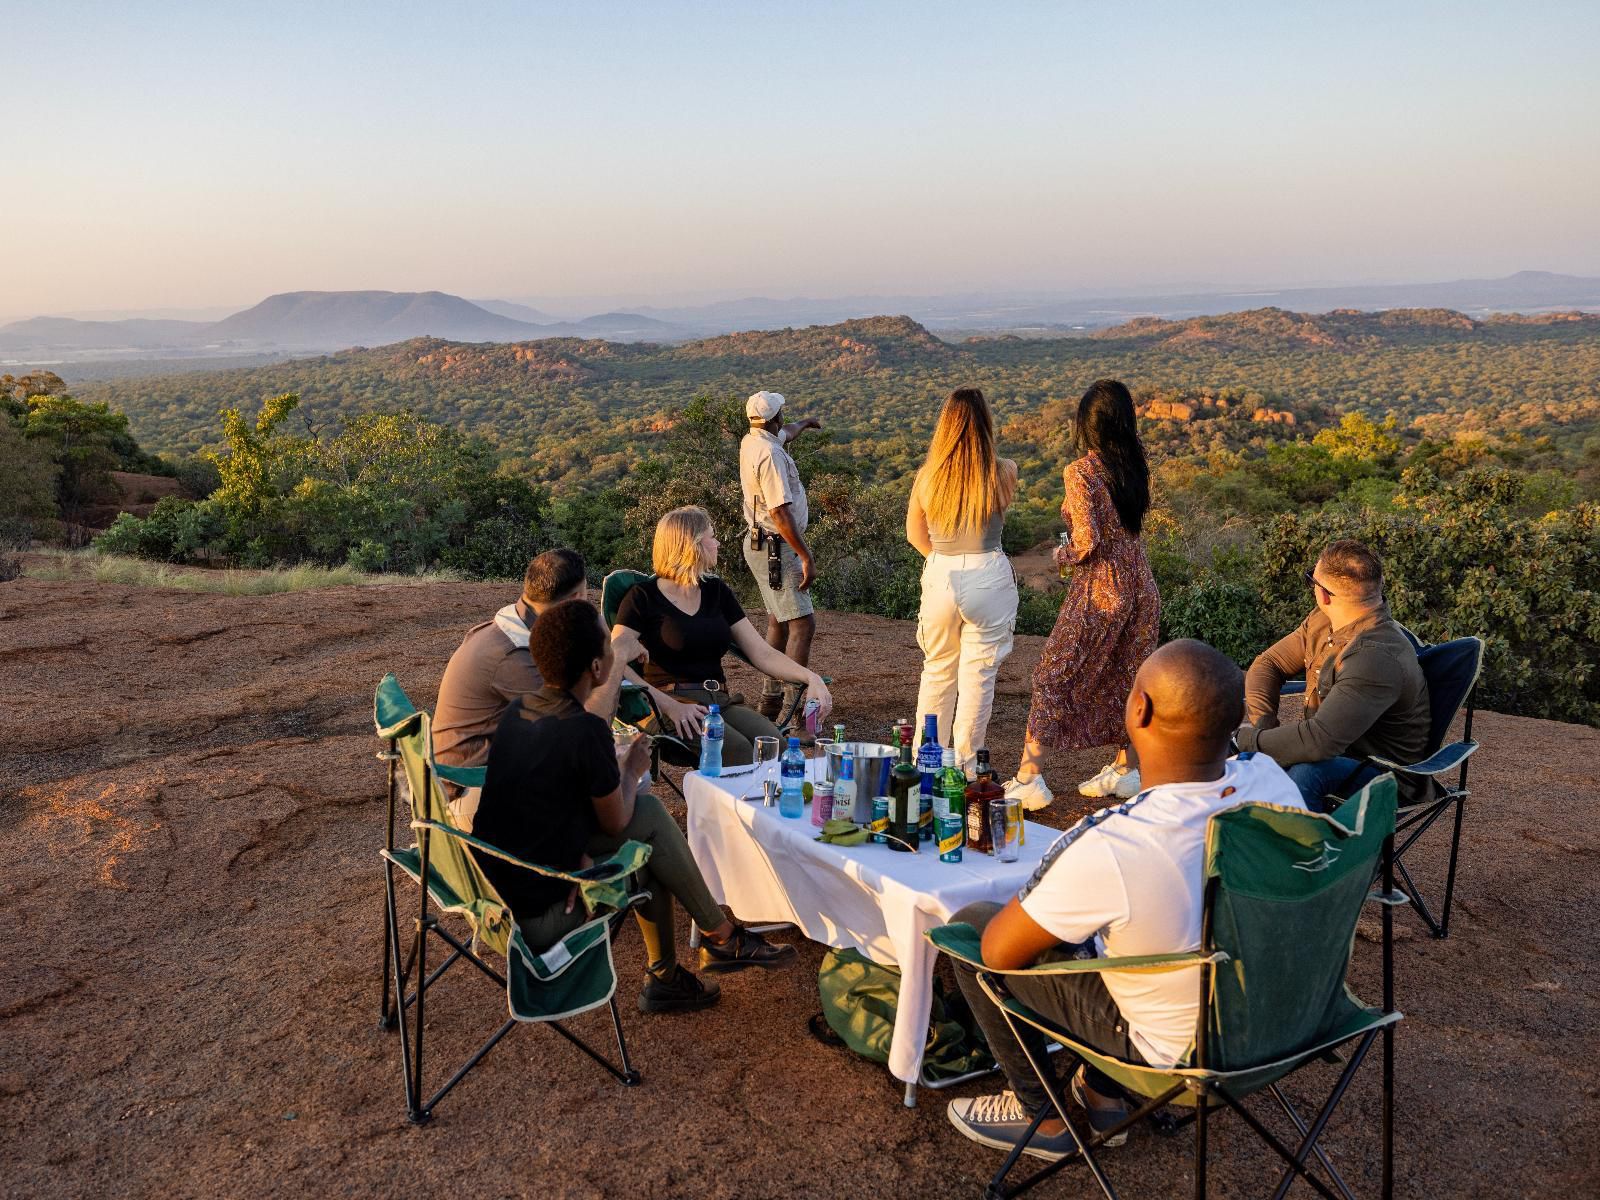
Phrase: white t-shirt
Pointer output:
(1134, 883)
(769, 478)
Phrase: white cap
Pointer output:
(763, 406)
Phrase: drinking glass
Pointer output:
(766, 757)
(1006, 842)
(824, 770)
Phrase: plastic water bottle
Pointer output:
(792, 796)
(711, 743)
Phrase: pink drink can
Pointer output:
(821, 803)
(812, 710)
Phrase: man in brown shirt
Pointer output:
(1365, 692)
(492, 667)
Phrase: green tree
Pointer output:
(83, 439)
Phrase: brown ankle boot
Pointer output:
(771, 706)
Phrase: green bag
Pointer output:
(858, 1005)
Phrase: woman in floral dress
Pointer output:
(1109, 621)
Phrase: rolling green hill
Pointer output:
(574, 412)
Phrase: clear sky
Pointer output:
(208, 153)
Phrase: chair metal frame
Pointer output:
(1208, 1093)
(399, 996)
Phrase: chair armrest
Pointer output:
(963, 942)
(1294, 687)
(467, 777)
(1445, 759)
(393, 714)
(600, 884)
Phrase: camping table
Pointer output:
(868, 897)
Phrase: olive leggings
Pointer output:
(670, 874)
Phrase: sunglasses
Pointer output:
(1310, 577)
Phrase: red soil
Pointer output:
(190, 815)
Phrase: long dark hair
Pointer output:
(1107, 426)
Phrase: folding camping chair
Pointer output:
(543, 984)
(1451, 669)
(1283, 890)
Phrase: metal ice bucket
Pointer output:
(872, 766)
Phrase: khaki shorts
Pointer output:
(788, 602)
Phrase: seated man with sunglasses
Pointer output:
(1365, 692)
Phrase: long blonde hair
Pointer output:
(676, 553)
(960, 484)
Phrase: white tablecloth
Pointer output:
(868, 897)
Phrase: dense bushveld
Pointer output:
(1467, 452)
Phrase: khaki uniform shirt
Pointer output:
(769, 478)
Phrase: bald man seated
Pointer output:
(1126, 881)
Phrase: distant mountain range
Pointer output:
(1526, 291)
(311, 322)
(298, 323)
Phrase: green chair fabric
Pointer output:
(449, 863)
(1288, 887)
(1284, 889)
(542, 984)
(581, 962)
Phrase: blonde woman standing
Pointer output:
(687, 619)
(969, 592)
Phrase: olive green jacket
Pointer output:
(1365, 695)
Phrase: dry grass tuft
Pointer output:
(138, 572)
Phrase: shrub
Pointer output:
(1037, 610)
(1226, 615)
(1459, 560)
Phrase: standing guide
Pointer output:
(776, 515)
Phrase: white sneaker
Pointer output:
(1035, 794)
(1112, 780)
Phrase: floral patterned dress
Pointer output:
(1108, 625)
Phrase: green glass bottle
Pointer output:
(950, 820)
(905, 796)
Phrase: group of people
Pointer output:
(531, 693)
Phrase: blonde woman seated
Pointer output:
(687, 619)
(969, 591)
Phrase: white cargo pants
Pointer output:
(965, 627)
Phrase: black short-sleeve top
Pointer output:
(548, 760)
(683, 647)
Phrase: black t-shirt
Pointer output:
(548, 761)
(683, 648)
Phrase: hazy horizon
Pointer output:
(182, 158)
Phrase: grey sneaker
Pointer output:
(1100, 1119)
(999, 1122)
